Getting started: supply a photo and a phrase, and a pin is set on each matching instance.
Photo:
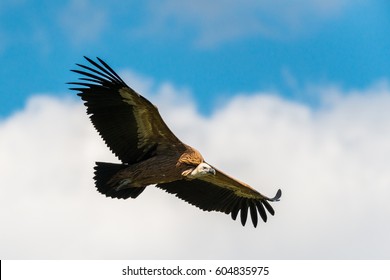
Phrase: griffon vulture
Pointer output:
(151, 154)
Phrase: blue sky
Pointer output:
(214, 50)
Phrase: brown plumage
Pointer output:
(150, 153)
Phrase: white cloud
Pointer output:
(331, 163)
(83, 21)
(218, 21)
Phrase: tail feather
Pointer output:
(104, 171)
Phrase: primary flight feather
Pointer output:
(151, 154)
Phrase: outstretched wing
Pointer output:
(130, 125)
(222, 193)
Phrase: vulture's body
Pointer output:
(151, 154)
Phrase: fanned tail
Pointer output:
(104, 172)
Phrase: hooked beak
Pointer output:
(212, 171)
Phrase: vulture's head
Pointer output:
(201, 170)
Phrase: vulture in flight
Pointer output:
(151, 154)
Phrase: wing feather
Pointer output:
(253, 211)
(261, 210)
(244, 212)
(269, 207)
(129, 124)
(236, 209)
(222, 193)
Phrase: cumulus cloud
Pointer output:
(331, 163)
(215, 22)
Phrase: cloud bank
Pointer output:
(331, 163)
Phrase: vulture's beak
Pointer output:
(212, 171)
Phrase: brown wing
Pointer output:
(130, 125)
(222, 193)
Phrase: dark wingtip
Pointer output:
(277, 196)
